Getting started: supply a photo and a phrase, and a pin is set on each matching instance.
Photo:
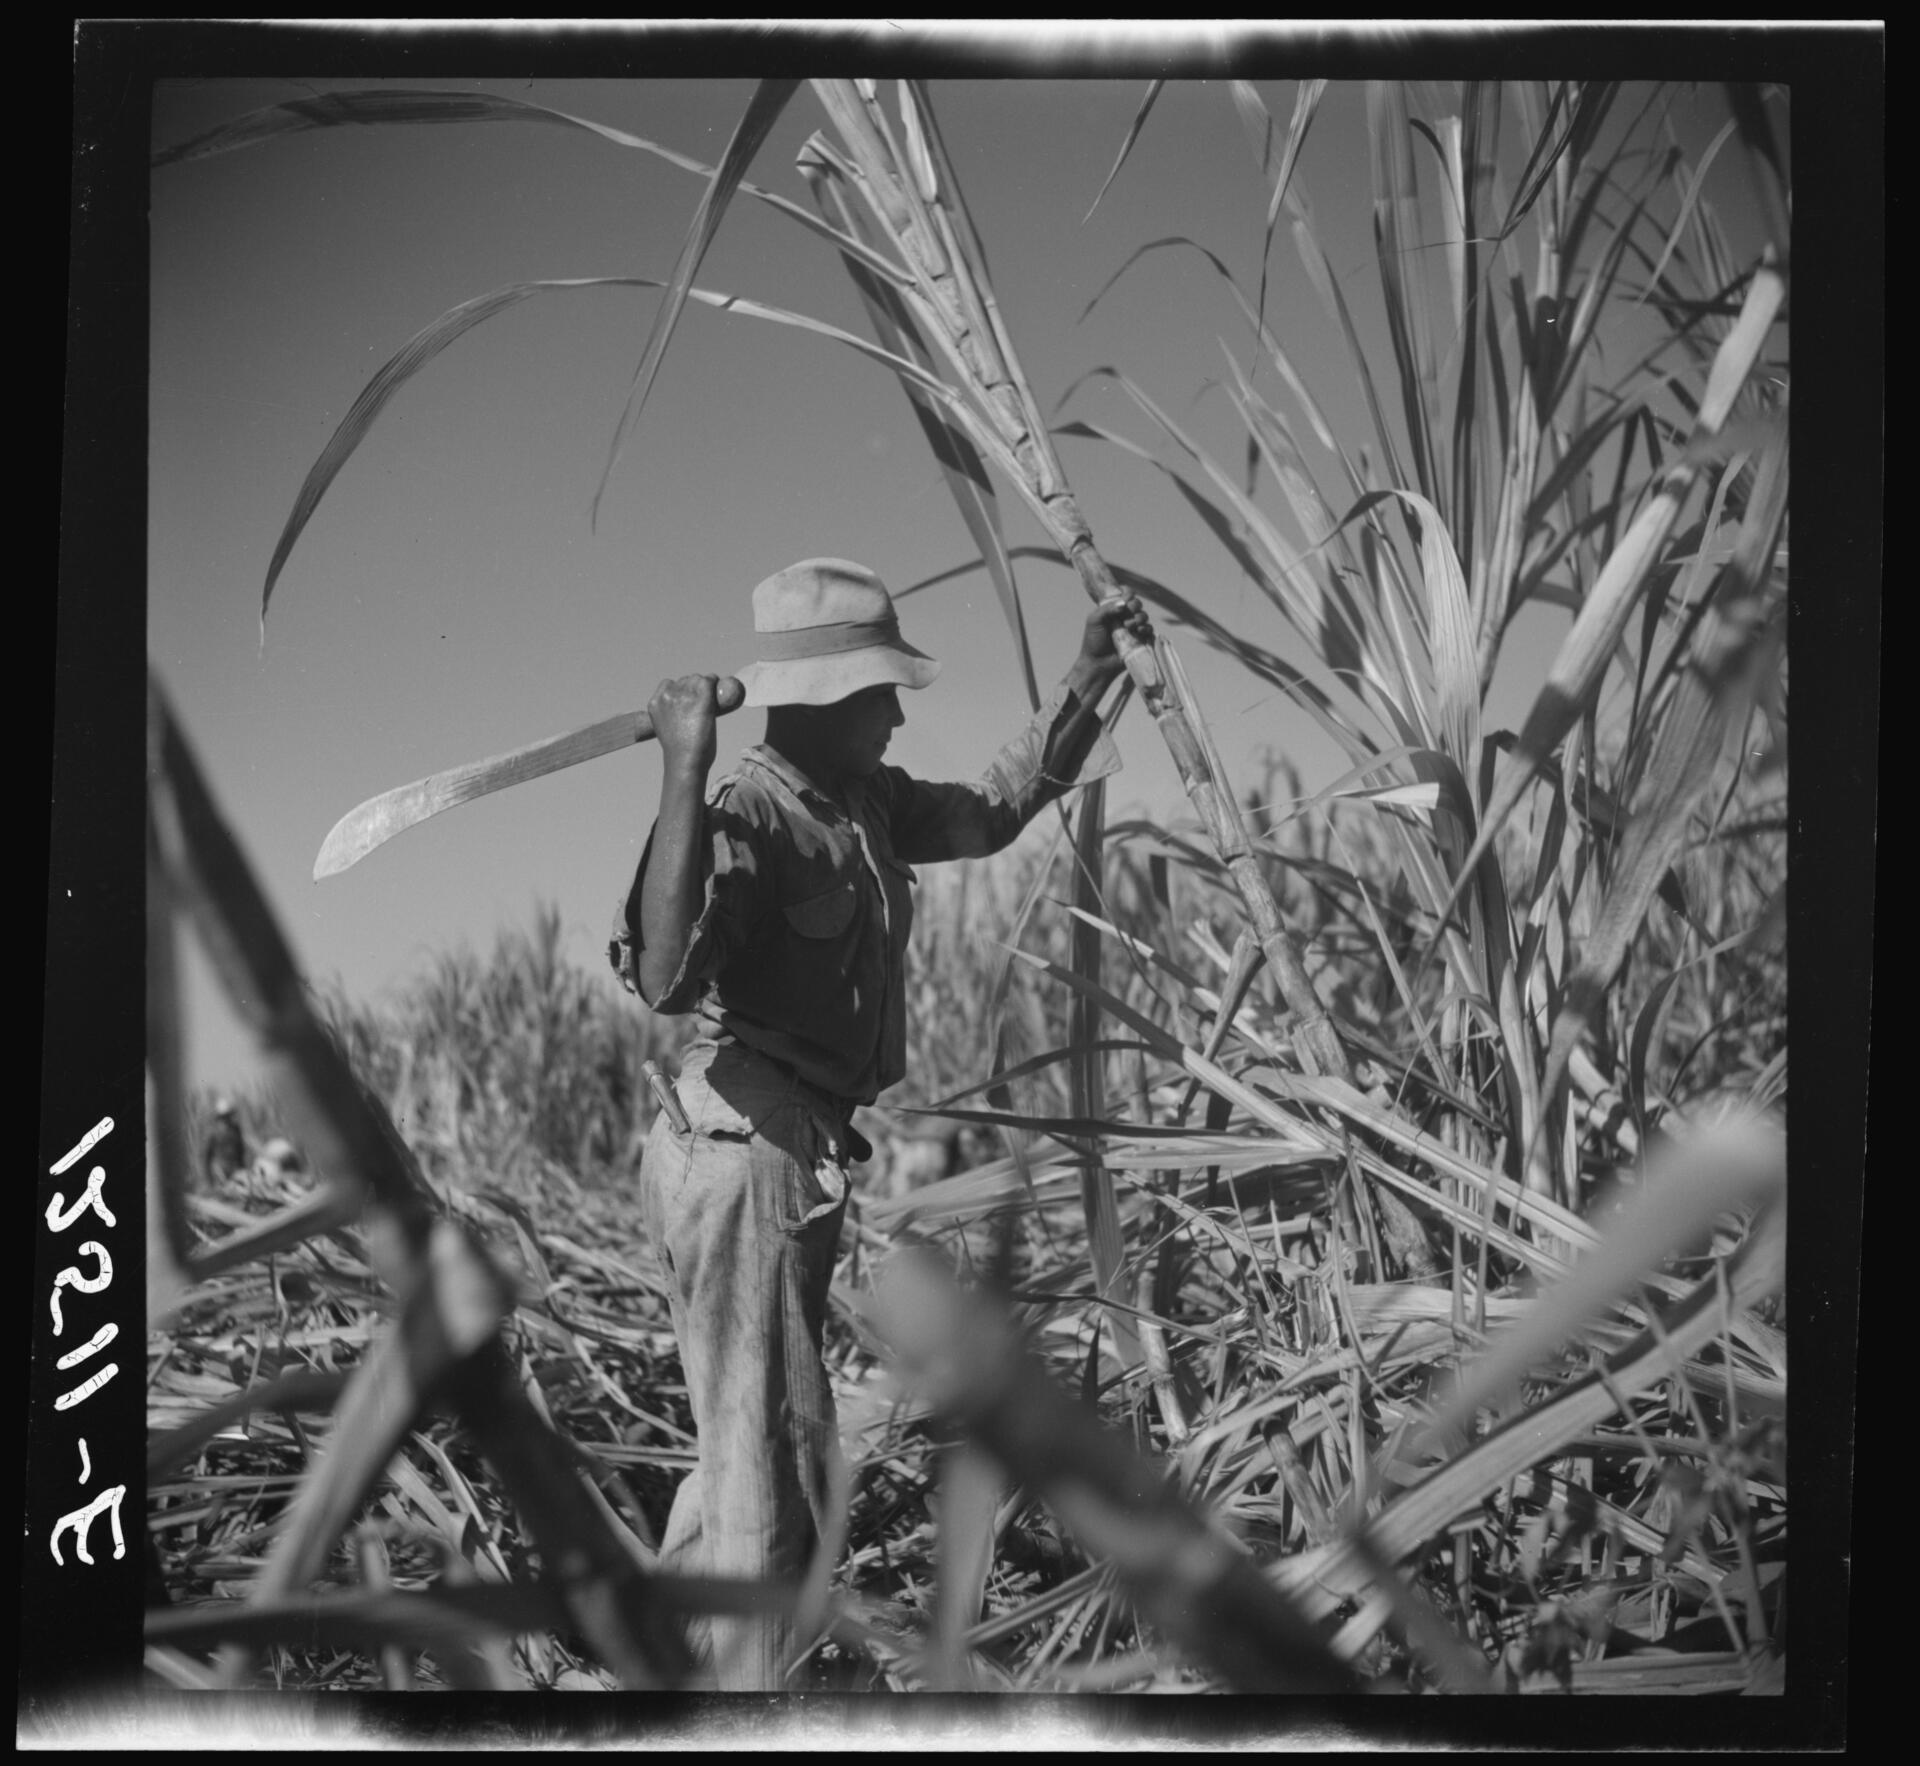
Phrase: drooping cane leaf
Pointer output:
(1126, 146)
(427, 343)
(1692, 196)
(375, 107)
(763, 110)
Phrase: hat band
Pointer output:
(826, 640)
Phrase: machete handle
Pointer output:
(728, 695)
(376, 821)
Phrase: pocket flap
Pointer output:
(826, 915)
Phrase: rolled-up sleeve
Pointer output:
(734, 873)
(933, 822)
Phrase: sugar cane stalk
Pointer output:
(915, 198)
(1314, 1039)
(920, 205)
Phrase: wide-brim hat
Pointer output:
(825, 628)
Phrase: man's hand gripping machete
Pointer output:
(377, 820)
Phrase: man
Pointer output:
(777, 906)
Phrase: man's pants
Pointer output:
(744, 1214)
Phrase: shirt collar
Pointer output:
(770, 760)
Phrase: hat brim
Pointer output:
(825, 680)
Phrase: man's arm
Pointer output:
(935, 822)
(1093, 671)
(665, 900)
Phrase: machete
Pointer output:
(377, 820)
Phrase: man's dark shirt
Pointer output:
(799, 950)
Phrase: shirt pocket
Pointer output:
(826, 915)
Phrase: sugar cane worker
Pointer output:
(775, 904)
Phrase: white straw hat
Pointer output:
(825, 628)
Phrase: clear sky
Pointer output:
(450, 601)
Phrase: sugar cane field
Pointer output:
(1330, 1238)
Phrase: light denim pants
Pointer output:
(744, 1215)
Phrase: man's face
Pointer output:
(857, 729)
